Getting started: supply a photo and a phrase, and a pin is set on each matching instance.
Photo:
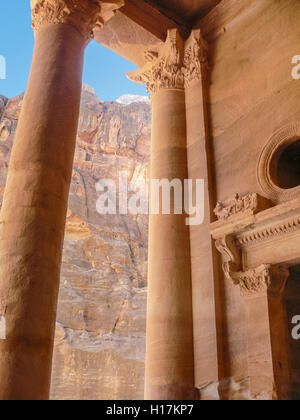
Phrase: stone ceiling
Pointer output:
(142, 24)
(187, 10)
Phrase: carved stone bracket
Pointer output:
(252, 281)
(84, 15)
(264, 279)
(173, 65)
(268, 238)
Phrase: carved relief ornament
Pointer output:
(85, 15)
(173, 65)
(257, 281)
(247, 227)
(240, 204)
(195, 58)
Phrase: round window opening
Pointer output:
(285, 166)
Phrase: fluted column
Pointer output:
(34, 207)
(169, 353)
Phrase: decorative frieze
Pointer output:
(279, 229)
(173, 65)
(240, 204)
(85, 15)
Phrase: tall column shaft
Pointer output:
(169, 355)
(33, 214)
(172, 74)
(169, 352)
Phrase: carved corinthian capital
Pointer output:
(85, 15)
(175, 64)
(164, 65)
(256, 281)
(195, 58)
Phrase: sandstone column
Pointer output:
(199, 160)
(169, 354)
(35, 200)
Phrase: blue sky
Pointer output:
(104, 70)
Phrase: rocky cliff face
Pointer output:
(3, 102)
(100, 337)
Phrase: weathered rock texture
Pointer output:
(100, 338)
(3, 102)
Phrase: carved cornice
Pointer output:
(195, 58)
(239, 204)
(173, 65)
(282, 228)
(85, 15)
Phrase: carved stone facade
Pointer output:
(84, 15)
(174, 65)
(236, 238)
(262, 287)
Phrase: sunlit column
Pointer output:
(35, 201)
(169, 353)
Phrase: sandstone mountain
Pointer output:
(100, 337)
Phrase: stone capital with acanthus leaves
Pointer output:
(84, 15)
(175, 64)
